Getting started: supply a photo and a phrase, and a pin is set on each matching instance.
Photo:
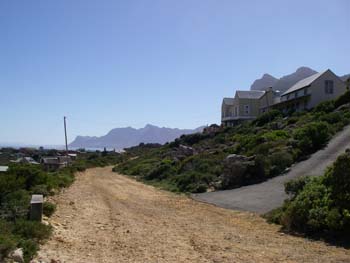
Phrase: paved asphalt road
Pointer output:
(263, 197)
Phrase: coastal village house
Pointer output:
(304, 95)
(309, 92)
(244, 106)
(55, 163)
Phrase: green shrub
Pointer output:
(279, 161)
(267, 117)
(42, 189)
(308, 211)
(193, 138)
(31, 174)
(163, 170)
(15, 205)
(32, 230)
(343, 99)
(49, 208)
(274, 215)
(326, 106)
(8, 241)
(192, 182)
(312, 136)
(276, 135)
(294, 187)
(338, 180)
(332, 117)
(30, 249)
(292, 120)
(318, 204)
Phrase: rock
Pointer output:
(237, 170)
(343, 107)
(212, 129)
(237, 158)
(181, 152)
(187, 150)
(17, 255)
(45, 222)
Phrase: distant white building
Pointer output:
(25, 160)
(3, 169)
(55, 163)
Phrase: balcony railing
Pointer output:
(232, 118)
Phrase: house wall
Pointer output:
(266, 101)
(317, 89)
(253, 107)
(316, 92)
(226, 110)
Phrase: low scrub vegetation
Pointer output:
(319, 204)
(273, 142)
(16, 187)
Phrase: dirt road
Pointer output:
(105, 217)
(263, 197)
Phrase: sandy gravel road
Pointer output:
(106, 217)
(263, 197)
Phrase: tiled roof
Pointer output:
(228, 101)
(249, 94)
(304, 83)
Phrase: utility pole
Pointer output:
(65, 134)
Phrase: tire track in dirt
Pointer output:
(106, 217)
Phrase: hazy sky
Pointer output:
(110, 63)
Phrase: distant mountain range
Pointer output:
(121, 138)
(284, 83)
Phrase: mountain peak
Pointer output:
(267, 76)
(305, 69)
(120, 138)
(264, 82)
(284, 82)
(149, 126)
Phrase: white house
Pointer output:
(309, 92)
(304, 95)
(244, 106)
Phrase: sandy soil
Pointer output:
(106, 217)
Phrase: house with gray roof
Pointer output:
(303, 95)
(55, 163)
(244, 106)
(25, 160)
(309, 92)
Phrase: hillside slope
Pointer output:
(232, 157)
(269, 195)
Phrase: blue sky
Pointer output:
(110, 63)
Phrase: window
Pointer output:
(305, 91)
(328, 86)
(246, 109)
(296, 94)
